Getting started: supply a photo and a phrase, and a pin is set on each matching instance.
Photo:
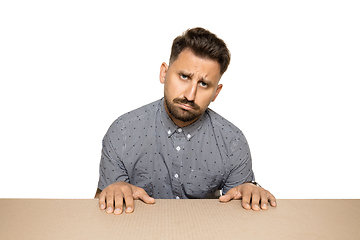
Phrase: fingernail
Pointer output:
(102, 206)
(109, 209)
(129, 209)
(117, 211)
(256, 206)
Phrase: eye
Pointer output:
(183, 76)
(203, 84)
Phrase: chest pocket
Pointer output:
(201, 184)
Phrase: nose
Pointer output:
(190, 92)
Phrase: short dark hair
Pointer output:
(202, 43)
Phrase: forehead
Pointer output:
(193, 64)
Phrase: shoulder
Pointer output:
(220, 122)
(139, 113)
(136, 117)
(224, 129)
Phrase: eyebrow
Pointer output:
(186, 73)
(208, 82)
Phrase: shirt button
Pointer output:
(188, 136)
(176, 175)
(179, 130)
(169, 132)
(178, 148)
(177, 197)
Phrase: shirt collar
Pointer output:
(170, 127)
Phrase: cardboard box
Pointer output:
(179, 219)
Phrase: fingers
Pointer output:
(260, 198)
(272, 199)
(119, 202)
(120, 194)
(255, 201)
(112, 198)
(109, 202)
(102, 203)
(253, 197)
(115, 202)
(264, 200)
(246, 199)
(129, 200)
(134, 192)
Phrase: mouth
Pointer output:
(185, 106)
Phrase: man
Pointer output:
(176, 147)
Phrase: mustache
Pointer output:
(187, 102)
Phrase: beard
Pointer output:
(182, 114)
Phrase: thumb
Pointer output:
(147, 199)
(140, 193)
(231, 194)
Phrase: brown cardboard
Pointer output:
(179, 219)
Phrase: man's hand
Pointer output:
(114, 195)
(248, 192)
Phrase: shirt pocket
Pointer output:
(201, 184)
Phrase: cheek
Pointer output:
(174, 88)
(169, 90)
(204, 99)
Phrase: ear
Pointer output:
(218, 89)
(163, 69)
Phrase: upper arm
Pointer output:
(240, 164)
(112, 168)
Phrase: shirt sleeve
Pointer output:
(112, 168)
(240, 164)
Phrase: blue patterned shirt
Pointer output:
(146, 148)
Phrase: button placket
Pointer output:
(188, 136)
(179, 141)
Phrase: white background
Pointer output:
(68, 69)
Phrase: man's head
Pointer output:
(203, 44)
(191, 81)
